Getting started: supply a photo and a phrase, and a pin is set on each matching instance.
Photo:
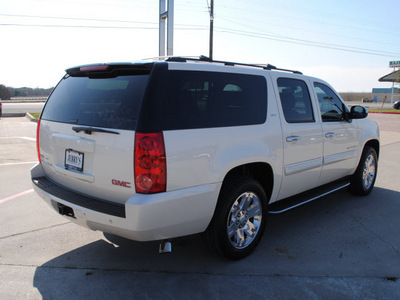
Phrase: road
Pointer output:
(339, 247)
(21, 108)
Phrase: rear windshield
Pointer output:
(99, 102)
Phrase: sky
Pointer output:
(347, 43)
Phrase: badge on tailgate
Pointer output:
(74, 160)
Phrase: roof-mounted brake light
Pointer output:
(94, 68)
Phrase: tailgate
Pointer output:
(87, 130)
(99, 165)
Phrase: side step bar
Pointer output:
(304, 198)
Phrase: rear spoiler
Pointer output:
(110, 70)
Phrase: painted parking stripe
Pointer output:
(16, 196)
(19, 137)
(19, 163)
(28, 138)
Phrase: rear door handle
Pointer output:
(330, 135)
(293, 138)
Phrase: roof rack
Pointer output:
(228, 63)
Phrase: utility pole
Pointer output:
(211, 9)
(166, 16)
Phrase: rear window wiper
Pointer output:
(89, 130)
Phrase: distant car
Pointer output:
(1, 107)
(395, 106)
(365, 100)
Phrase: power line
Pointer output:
(90, 20)
(77, 26)
(308, 31)
(95, 26)
(74, 19)
(290, 40)
(274, 37)
(278, 38)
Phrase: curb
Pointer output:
(12, 115)
(384, 113)
(31, 118)
(25, 101)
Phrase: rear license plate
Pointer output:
(74, 160)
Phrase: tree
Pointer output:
(5, 93)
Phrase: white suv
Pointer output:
(163, 149)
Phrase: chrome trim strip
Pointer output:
(303, 166)
(334, 158)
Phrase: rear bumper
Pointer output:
(143, 217)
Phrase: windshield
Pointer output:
(98, 102)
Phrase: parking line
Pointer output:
(16, 196)
(28, 138)
(19, 163)
(19, 137)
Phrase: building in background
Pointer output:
(392, 94)
(381, 94)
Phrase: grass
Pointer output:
(396, 111)
(35, 115)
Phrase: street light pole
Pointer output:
(166, 16)
(211, 8)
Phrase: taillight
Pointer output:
(37, 140)
(150, 163)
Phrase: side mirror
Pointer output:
(358, 112)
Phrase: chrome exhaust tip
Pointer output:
(165, 247)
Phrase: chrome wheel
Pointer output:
(363, 180)
(244, 220)
(369, 171)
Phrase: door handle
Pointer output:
(293, 138)
(330, 135)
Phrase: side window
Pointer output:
(329, 103)
(210, 99)
(295, 99)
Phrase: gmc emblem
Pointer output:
(121, 183)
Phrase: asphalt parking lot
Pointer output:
(339, 247)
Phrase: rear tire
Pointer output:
(239, 220)
(363, 180)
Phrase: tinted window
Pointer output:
(295, 99)
(329, 103)
(209, 99)
(102, 102)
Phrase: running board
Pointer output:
(306, 197)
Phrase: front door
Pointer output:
(302, 138)
(339, 135)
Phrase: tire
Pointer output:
(363, 180)
(239, 219)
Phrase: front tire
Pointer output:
(363, 180)
(239, 220)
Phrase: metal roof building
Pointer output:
(391, 94)
(392, 77)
